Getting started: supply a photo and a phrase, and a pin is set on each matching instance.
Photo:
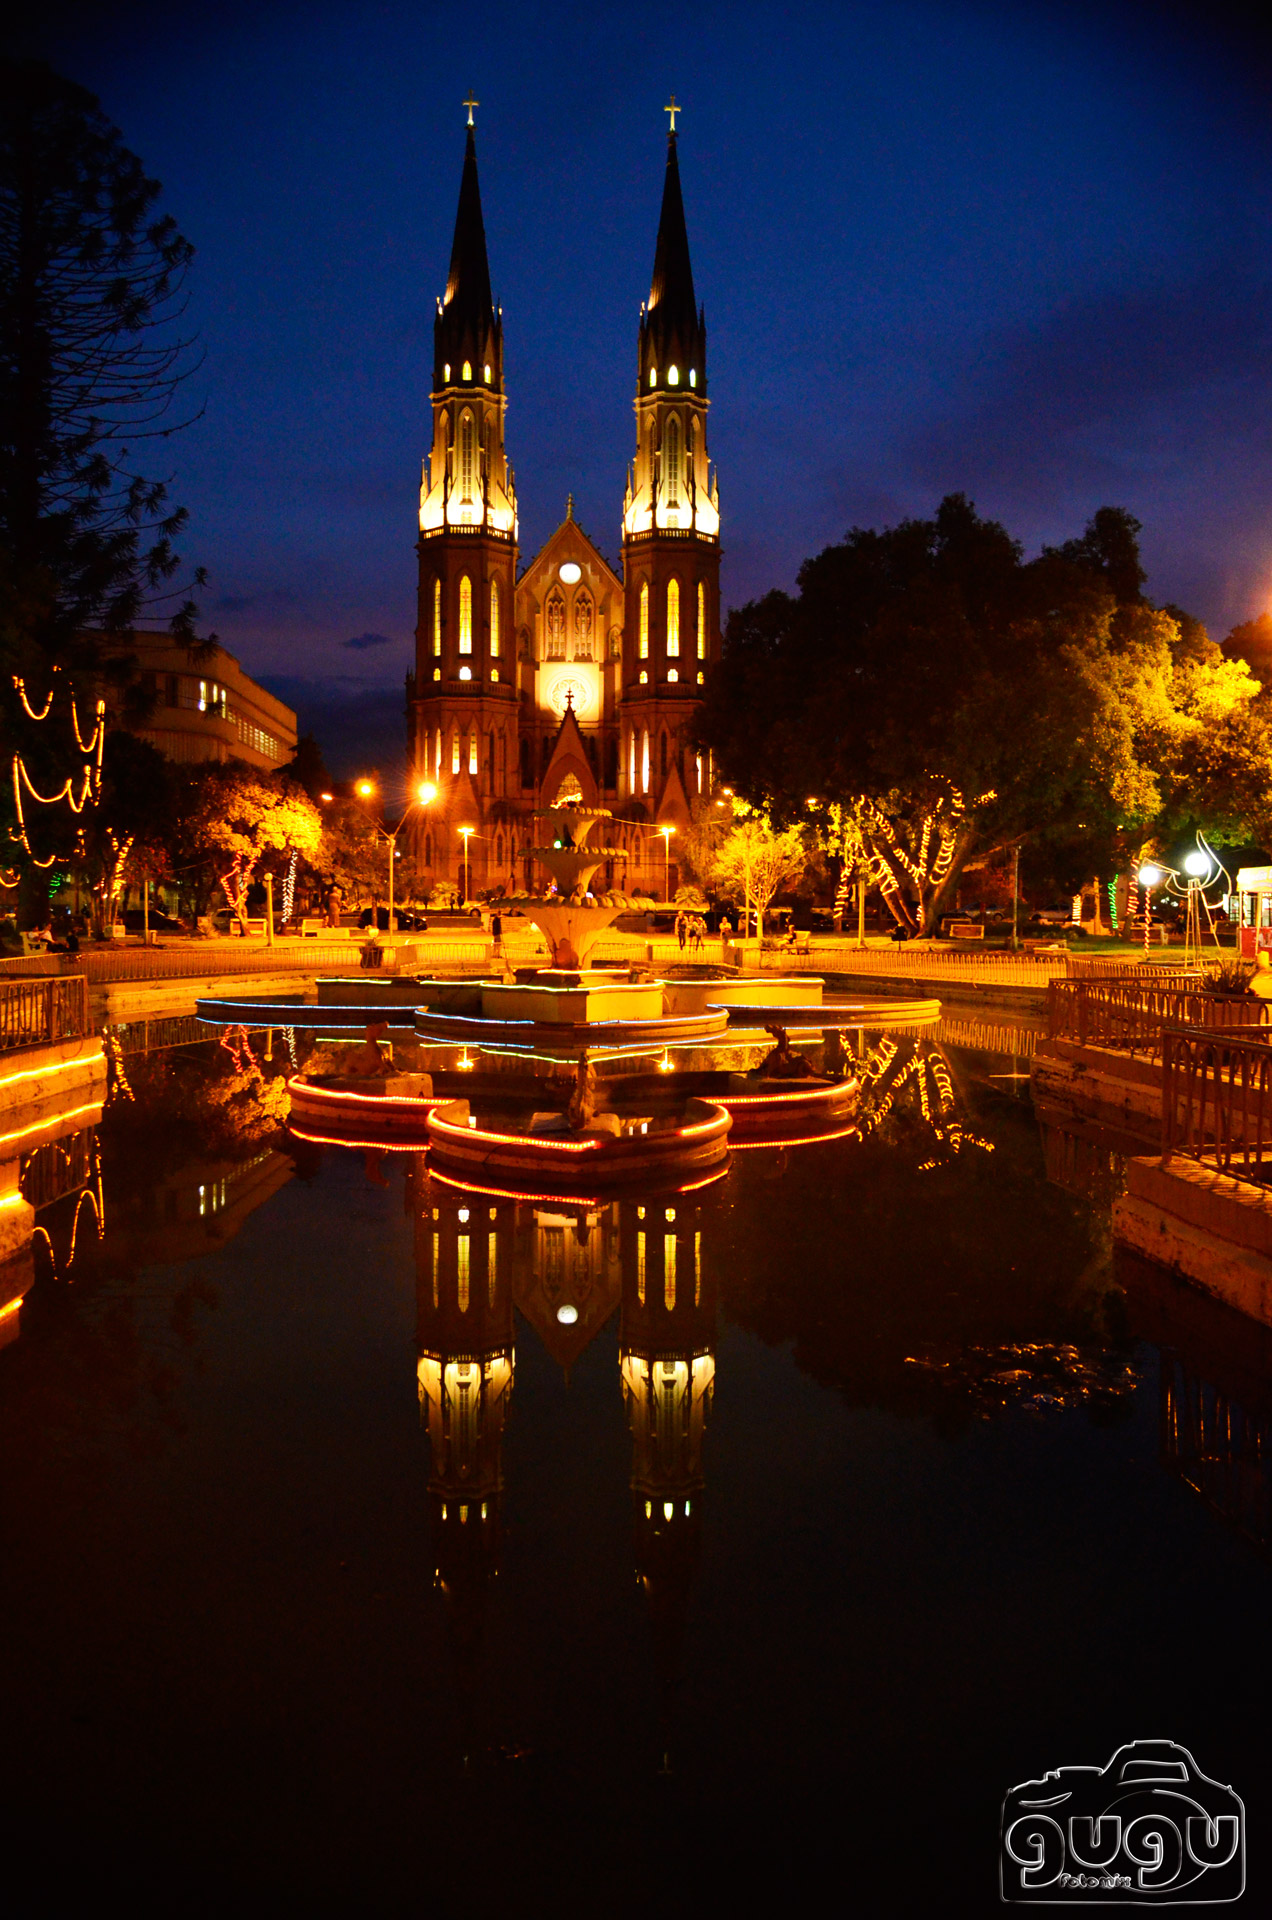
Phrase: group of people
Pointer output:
(691, 930)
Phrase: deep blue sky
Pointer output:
(1020, 250)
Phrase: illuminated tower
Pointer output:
(464, 1336)
(667, 1359)
(671, 530)
(462, 695)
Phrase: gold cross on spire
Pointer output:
(672, 110)
(470, 103)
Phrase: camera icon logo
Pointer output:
(1150, 1828)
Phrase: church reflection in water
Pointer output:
(565, 1267)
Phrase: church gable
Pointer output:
(570, 600)
(568, 777)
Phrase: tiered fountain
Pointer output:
(567, 1004)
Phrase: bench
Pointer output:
(965, 929)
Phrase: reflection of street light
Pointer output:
(666, 833)
(466, 834)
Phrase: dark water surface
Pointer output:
(344, 1569)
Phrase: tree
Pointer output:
(92, 360)
(240, 818)
(959, 699)
(753, 863)
(128, 835)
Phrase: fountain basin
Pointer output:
(696, 1141)
(349, 1113)
(695, 996)
(566, 1035)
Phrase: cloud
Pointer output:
(361, 642)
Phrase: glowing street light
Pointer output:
(666, 833)
(466, 834)
(425, 792)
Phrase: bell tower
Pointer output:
(671, 525)
(462, 696)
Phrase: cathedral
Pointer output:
(567, 680)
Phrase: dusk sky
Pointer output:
(1021, 251)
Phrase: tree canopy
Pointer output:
(958, 698)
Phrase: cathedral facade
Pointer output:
(566, 680)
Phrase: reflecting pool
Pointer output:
(371, 1540)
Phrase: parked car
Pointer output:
(135, 921)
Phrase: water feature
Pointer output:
(371, 1535)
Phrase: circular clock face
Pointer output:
(565, 685)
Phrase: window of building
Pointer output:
(615, 643)
(644, 679)
(472, 750)
(437, 619)
(702, 620)
(446, 372)
(693, 377)
(662, 755)
(437, 753)
(554, 626)
(584, 625)
(455, 751)
(495, 642)
(465, 673)
(672, 674)
(673, 619)
(653, 376)
(644, 762)
(468, 370)
(671, 461)
(631, 761)
(673, 376)
(488, 373)
(465, 614)
(644, 620)
(467, 453)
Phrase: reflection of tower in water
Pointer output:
(564, 1265)
(667, 1361)
(464, 1341)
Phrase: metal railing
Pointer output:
(1217, 1102)
(41, 1009)
(109, 966)
(1129, 1016)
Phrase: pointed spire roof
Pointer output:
(671, 288)
(673, 330)
(468, 282)
(468, 328)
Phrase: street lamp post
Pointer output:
(666, 833)
(425, 793)
(1149, 876)
(466, 833)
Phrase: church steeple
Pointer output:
(671, 530)
(673, 332)
(468, 331)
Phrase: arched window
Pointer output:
(468, 369)
(616, 643)
(472, 750)
(437, 754)
(428, 849)
(499, 851)
(702, 619)
(501, 763)
(644, 762)
(465, 615)
(644, 620)
(554, 627)
(494, 620)
(662, 756)
(584, 626)
(467, 452)
(455, 751)
(673, 619)
(490, 762)
(671, 461)
(437, 617)
(631, 761)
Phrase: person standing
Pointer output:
(680, 931)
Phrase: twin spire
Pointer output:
(469, 330)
